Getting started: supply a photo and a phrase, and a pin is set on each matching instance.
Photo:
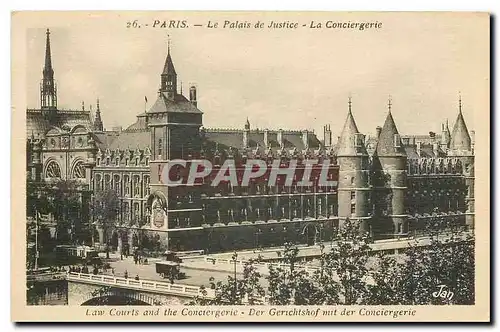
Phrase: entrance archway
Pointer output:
(114, 240)
(310, 231)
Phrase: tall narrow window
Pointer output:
(159, 147)
(397, 141)
(353, 208)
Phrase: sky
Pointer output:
(289, 79)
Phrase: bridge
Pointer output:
(89, 289)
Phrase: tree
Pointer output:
(447, 264)
(344, 273)
(291, 284)
(105, 208)
(236, 291)
(425, 271)
(387, 286)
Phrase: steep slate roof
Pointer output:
(169, 68)
(426, 151)
(346, 143)
(38, 125)
(385, 143)
(122, 140)
(180, 105)
(460, 138)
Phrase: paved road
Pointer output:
(195, 277)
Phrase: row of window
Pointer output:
(124, 185)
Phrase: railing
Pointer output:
(259, 264)
(145, 285)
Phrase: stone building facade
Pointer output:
(390, 183)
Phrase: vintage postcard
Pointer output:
(250, 166)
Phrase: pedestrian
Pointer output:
(96, 270)
(113, 271)
(125, 274)
(136, 277)
(135, 259)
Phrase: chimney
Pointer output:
(435, 149)
(305, 138)
(192, 96)
(419, 146)
(327, 136)
(280, 137)
(378, 130)
(266, 138)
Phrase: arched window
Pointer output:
(98, 182)
(78, 170)
(53, 170)
(117, 184)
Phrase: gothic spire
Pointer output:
(48, 72)
(48, 93)
(98, 125)
(169, 77)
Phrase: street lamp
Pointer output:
(235, 257)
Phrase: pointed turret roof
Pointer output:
(168, 68)
(388, 144)
(48, 72)
(346, 145)
(460, 138)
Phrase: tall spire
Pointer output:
(48, 92)
(48, 72)
(169, 76)
(389, 104)
(98, 125)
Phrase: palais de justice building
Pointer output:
(389, 182)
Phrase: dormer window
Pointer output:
(359, 140)
(397, 141)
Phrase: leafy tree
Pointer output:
(345, 267)
(417, 276)
(236, 291)
(105, 208)
(448, 261)
(387, 281)
(291, 284)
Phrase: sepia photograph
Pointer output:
(251, 166)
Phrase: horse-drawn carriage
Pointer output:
(170, 267)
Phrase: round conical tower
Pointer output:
(389, 164)
(461, 148)
(353, 187)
